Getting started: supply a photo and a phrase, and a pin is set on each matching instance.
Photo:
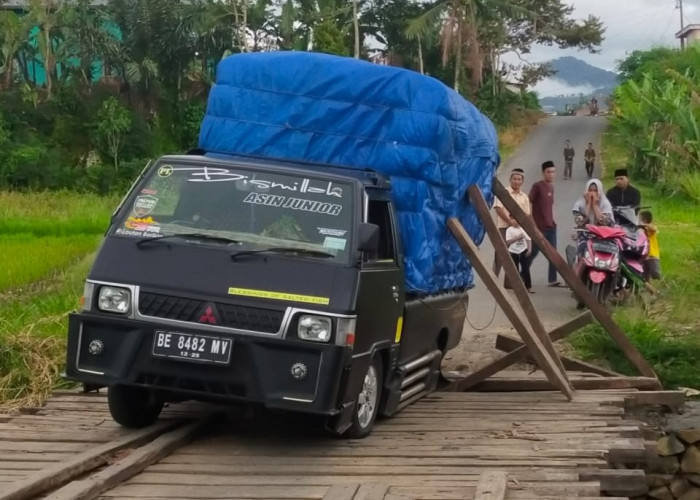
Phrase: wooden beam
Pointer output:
(62, 472)
(519, 354)
(344, 491)
(582, 384)
(508, 344)
(575, 283)
(371, 491)
(109, 477)
(492, 485)
(544, 360)
(512, 275)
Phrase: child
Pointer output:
(520, 248)
(652, 264)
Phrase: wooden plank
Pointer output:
(521, 294)
(508, 344)
(627, 482)
(62, 472)
(601, 314)
(672, 399)
(513, 357)
(137, 461)
(341, 491)
(492, 485)
(371, 491)
(546, 363)
(503, 385)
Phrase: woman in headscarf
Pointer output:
(593, 207)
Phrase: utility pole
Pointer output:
(680, 6)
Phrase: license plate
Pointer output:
(192, 347)
(605, 247)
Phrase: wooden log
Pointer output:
(63, 471)
(541, 355)
(601, 314)
(508, 344)
(618, 482)
(521, 294)
(521, 353)
(583, 384)
(672, 399)
(492, 485)
(137, 461)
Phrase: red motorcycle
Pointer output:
(596, 261)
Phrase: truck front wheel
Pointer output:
(132, 407)
(367, 403)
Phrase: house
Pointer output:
(689, 34)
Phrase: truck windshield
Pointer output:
(242, 209)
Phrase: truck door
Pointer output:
(380, 298)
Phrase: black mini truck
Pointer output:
(271, 283)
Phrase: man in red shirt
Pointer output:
(542, 199)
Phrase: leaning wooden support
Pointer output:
(519, 354)
(508, 344)
(538, 351)
(574, 282)
(512, 275)
(533, 384)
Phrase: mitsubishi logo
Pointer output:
(209, 315)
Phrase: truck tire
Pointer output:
(132, 407)
(367, 402)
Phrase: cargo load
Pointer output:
(328, 110)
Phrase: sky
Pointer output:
(630, 25)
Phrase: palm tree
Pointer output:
(45, 14)
(459, 21)
(14, 32)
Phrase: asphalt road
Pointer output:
(555, 305)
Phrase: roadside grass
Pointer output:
(664, 326)
(48, 244)
(25, 259)
(512, 136)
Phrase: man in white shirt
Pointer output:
(504, 219)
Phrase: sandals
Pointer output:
(557, 284)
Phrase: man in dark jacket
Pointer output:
(623, 194)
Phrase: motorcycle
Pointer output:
(597, 259)
(634, 248)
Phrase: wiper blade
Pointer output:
(198, 236)
(306, 251)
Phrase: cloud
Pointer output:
(630, 25)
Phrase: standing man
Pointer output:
(542, 199)
(504, 220)
(623, 194)
(589, 157)
(569, 154)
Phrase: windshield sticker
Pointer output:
(216, 174)
(146, 225)
(291, 297)
(144, 234)
(318, 207)
(331, 232)
(334, 243)
(144, 205)
(149, 191)
(165, 171)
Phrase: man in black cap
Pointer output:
(623, 194)
(542, 199)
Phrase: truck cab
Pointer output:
(262, 282)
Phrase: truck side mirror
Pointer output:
(368, 236)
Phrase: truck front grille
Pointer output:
(234, 316)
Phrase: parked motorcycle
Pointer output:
(634, 248)
(597, 259)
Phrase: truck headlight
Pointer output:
(314, 328)
(114, 299)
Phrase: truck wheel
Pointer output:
(132, 406)
(367, 403)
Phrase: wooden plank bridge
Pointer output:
(448, 446)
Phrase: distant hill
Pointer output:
(577, 73)
(574, 73)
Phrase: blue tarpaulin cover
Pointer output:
(319, 108)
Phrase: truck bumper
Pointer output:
(260, 370)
